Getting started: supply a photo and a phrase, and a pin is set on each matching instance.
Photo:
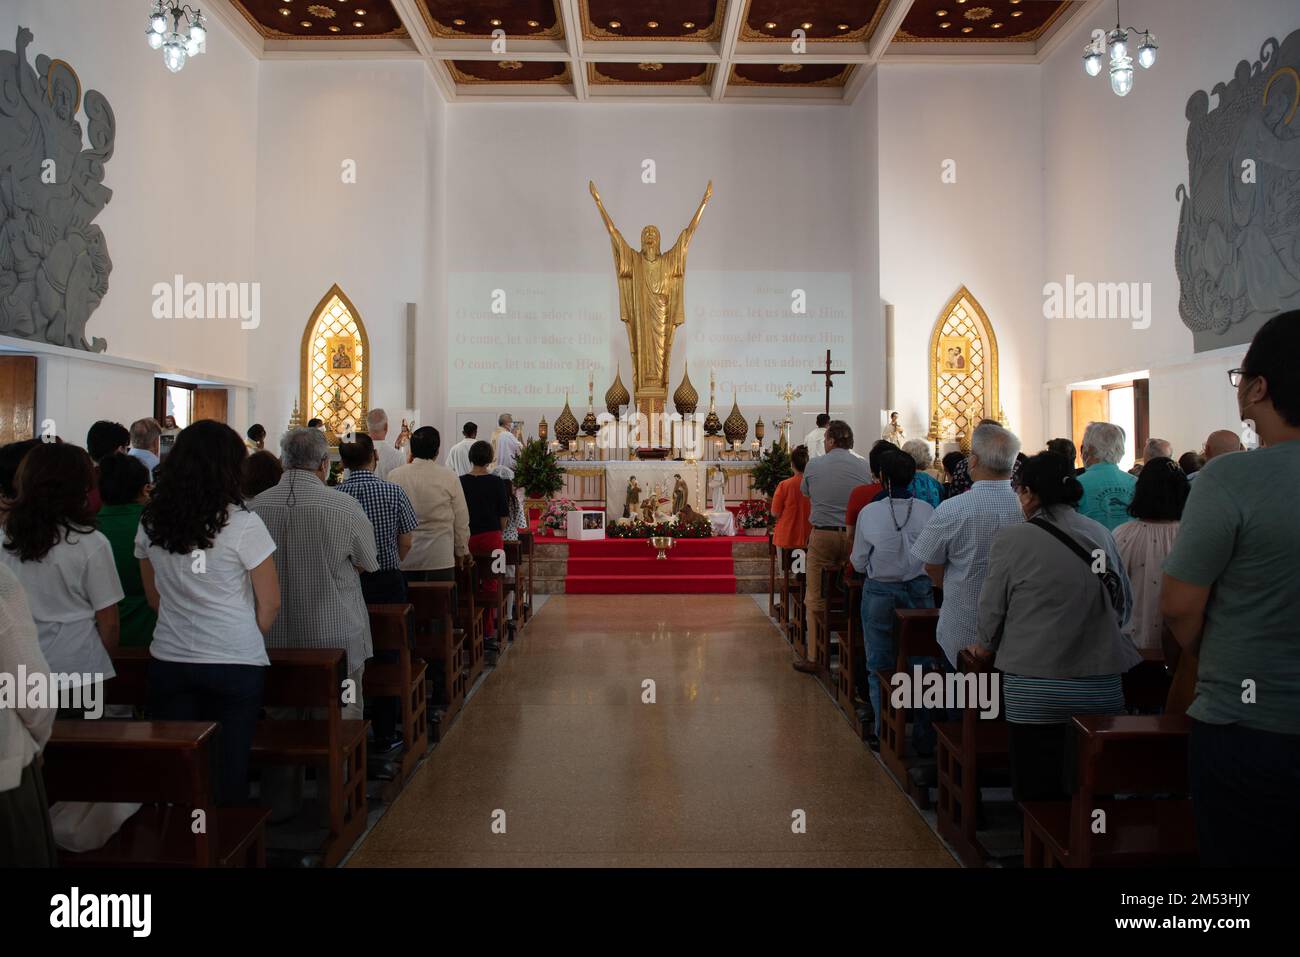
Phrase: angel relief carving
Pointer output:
(54, 262)
(1237, 252)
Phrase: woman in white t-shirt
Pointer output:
(208, 571)
(65, 566)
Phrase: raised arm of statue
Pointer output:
(609, 223)
(689, 231)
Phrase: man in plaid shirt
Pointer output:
(391, 514)
(393, 518)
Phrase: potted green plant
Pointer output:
(772, 469)
(538, 473)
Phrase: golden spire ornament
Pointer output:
(566, 424)
(686, 399)
(736, 427)
(616, 396)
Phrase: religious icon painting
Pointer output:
(954, 355)
(340, 355)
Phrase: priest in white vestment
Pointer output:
(816, 439)
(458, 455)
(505, 447)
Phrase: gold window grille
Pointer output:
(335, 393)
(959, 399)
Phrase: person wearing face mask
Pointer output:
(1053, 624)
(1230, 596)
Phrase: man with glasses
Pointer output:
(1230, 595)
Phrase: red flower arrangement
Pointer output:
(753, 513)
(698, 527)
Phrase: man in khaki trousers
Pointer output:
(828, 481)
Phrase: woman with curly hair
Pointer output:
(208, 570)
(64, 564)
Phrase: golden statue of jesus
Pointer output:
(651, 300)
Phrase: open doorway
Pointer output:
(1124, 400)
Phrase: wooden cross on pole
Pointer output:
(830, 384)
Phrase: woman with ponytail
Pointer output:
(1052, 612)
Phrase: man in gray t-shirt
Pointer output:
(1231, 595)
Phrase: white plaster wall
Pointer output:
(984, 231)
(1112, 167)
(315, 230)
(182, 176)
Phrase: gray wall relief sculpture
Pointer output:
(1238, 247)
(54, 263)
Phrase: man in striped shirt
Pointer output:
(323, 540)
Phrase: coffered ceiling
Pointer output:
(710, 51)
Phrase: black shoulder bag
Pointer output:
(1109, 578)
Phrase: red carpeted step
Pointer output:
(639, 547)
(650, 585)
(672, 566)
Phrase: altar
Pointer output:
(604, 484)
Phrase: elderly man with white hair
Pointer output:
(954, 546)
(1107, 489)
(387, 455)
(323, 539)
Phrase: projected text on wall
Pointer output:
(524, 340)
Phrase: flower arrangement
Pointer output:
(697, 527)
(556, 515)
(753, 513)
(537, 470)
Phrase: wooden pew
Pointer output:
(1130, 755)
(772, 611)
(489, 598)
(526, 549)
(852, 670)
(784, 586)
(438, 643)
(966, 749)
(169, 767)
(797, 626)
(469, 619)
(834, 618)
(914, 637)
(517, 587)
(313, 678)
(390, 630)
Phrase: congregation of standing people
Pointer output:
(1062, 570)
(208, 552)
(209, 549)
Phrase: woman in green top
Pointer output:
(124, 488)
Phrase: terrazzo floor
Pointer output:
(558, 761)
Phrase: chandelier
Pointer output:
(1121, 64)
(177, 46)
